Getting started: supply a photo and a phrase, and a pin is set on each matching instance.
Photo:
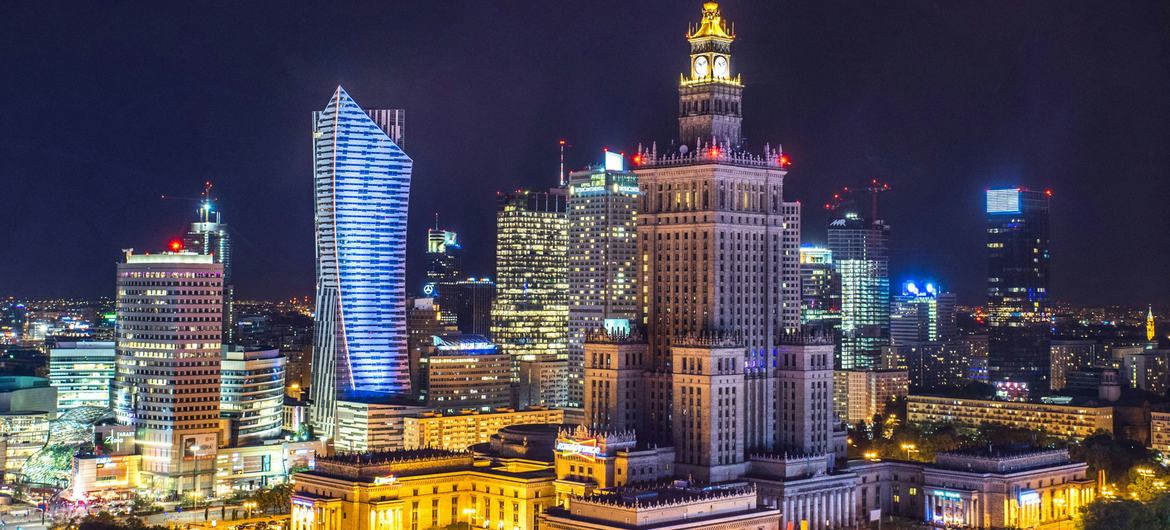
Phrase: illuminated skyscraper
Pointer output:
(444, 260)
(603, 273)
(860, 258)
(211, 236)
(820, 288)
(362, 186)
(1019, 318)
(922, 314)
(531, 312)
(167, 365)
(719, 246)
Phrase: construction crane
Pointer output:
(204, 199)
(875, 187)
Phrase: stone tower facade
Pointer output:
(720, 251)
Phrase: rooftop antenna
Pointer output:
(436, 221)
(205, 207)
(561, 174)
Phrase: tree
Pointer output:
(1119, 513)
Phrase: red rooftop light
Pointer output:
(176, 245)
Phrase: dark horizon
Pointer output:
(112, 106)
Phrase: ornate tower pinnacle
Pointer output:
(709, 100)
(1150, 331)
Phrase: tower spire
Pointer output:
(1150, 328)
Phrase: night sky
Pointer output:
(108, 105)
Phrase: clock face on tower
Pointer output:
(701, 66)
(720, 66)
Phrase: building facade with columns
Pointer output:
(678, 507)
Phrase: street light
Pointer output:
(909, 448)
(469, 512)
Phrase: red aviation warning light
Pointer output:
(176, 245)
(638, 159)
(784, 161)
(1048, 193)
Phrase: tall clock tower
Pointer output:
(709, 100)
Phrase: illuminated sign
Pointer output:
(945, 494)
(1003, 201)
(587, 448)
(378, 481)
(614, 161)
(429, 289)
(618, 325)
(1029, 497)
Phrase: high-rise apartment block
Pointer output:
(362, 186)
(531, 313)
(1019, 316)
(861, 259)
(719, 246)
(602, 215)
(82, 372)
(167, 380)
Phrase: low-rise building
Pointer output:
(677, 507)
(1072, 419)
(420, 489)
(1160, 431)
(457, 432)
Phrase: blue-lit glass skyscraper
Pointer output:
(362, 185)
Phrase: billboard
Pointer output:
(199, 446)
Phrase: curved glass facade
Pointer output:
(362, 185)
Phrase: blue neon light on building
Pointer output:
(362, 186)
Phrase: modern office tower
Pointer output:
(470, 301)
(423, 321)
(820, 290)
(167, 375)
(531, 313)
(719, 246)
(362, 186)
(922, 314)
(709, 408)
(861, 258)
(210, 235)
(603, 272)
(465, 372)
(1019, 318)
(365, 426)
(444, 260)
(542, 380)
(614, 394)
(937, 365)
(805, 419)
(251, 394)
(1069, 356)
(82, 372)
(27, 408)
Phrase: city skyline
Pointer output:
(845, 113)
